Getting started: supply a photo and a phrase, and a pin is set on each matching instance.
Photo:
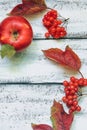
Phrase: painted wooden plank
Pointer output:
(31, 66)
(21, 105)
(76, 10)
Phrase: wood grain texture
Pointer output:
(76, 10)
(31, 66)
(21, 105)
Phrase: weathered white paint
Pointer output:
(73, 9)
(25, 104)
(21, 105)
(32, 66)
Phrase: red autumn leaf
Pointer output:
(24, 1)
(40, 2)
(28, 7)
(67, 58)
(41, 127)
(60, 119)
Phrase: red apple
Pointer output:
(17, 32)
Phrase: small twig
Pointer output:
(54, 6)
(49, 8)
(61, 16)
(79, 92)
(83, 94)
(81, 74)
(66, 20)
(80, 95)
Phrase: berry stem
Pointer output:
(80, 95)
(81, 73)
(66, 20)
(52, 8)
(84, 94)
(49, 8)
(79, 92)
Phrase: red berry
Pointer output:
(81, 81)
(72, 79)
(62, 29)
(59, 22)
(69, 97)
(46, 17)
(67, 92)
(62, 34)
(68, 88)
(76, 84)
(56, 36)
(65, 83)
(78, 108)
(58, 29)
(70, 111)
(73, 108)
(51, 19)
(72, 92)
(70, 83)
(75, 103)
(52, 30)
(54, 13)
(72, 87)
(75, 96)
(64, 99)
(85, 82)
(70, 102)
(76, 80)
(76, 89)
(47, 34)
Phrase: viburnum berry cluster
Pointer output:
(54, 25)
(72, 92)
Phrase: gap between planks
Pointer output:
(70, 38)
(27, 83)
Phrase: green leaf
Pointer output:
(7, 50)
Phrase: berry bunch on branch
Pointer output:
(73, 87)
(72, 91)
(54, 23)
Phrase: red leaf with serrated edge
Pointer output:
(60, 119)
(28, 7)
(67, 58)
(41, 127)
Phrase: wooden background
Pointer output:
(29, 82)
